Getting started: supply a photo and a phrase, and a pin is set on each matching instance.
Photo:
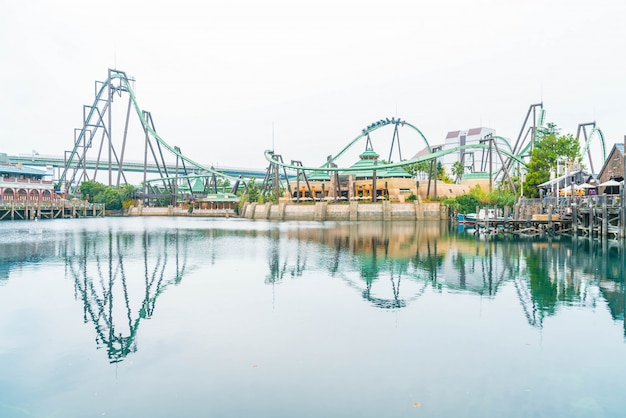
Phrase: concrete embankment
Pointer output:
(176, 211)
(319, 211)
(353, 211)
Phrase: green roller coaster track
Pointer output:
(432, 156)
(125, 83)
(514, 156)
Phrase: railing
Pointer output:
(612, 201)
(22, 204)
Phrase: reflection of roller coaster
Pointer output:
(119, 289)
(178, 173)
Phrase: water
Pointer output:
(164, 317)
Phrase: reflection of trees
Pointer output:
(376, 257)
(119, 279)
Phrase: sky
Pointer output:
(226, 81)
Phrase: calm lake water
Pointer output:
(178, 317)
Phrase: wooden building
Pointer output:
(613, 169)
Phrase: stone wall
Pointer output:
(318, 211)
(176, 211)
(353, 211)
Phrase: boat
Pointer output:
(466, 218)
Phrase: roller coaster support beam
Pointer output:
(374, 183)
(396, 134)
(184, 168)
(271, 182)
(505, 170)
(148, 118)
(306, 180)
(120, 172)
(583, 127)
(532, 108)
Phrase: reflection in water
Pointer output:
(119, 277)
(391, 263)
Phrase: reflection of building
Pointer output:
(24, 184)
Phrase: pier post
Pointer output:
(550, 209)
(605, 219)
(320, 211)
(574, 220)
(354, 210)
(623, 205)
(387, 210)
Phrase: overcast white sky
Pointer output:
(223, 80)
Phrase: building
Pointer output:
(474, 160)
(613, 169)
(22, 184)
(365, 179)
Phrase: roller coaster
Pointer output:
(97, 135)
(176, 172)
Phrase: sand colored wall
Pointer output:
(353, 211)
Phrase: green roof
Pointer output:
(220, 197)
(366, 165)
(468, 176)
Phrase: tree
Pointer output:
(127, 192)
(419, 169)
(110, 197)
(442, 174)
(457, 170)
(90, 189)
(548, 149)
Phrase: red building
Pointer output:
(25, 185)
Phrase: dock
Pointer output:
(58, 209)
(594, 217)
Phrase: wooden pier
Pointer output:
(585, 216)
(60, 209)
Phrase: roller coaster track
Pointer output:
(377, 125)
(94, 119)
(269, 156)
(118, 83)
(594, 131)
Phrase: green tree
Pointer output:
(548, 149)
(110, 197)
(458, 170)
(442, 174)
(127, 192)
(419, 169)
(90, 189)
(467, 203)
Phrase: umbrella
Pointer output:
(610, 183)
(585, 186)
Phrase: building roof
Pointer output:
(616, 147)
(565, 180)
(366, 164)
(219, 197)
(14, 169)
